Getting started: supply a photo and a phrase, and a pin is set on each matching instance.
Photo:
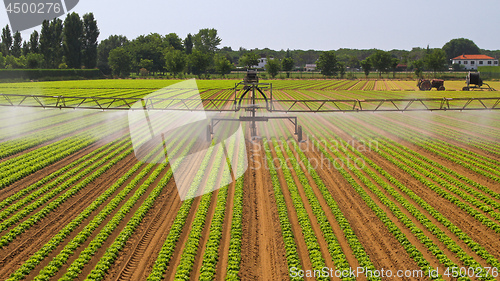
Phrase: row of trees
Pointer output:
(69, 44)
(199, 54)
(435, 60)
(73, 44)
(156, 53)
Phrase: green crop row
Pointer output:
(186, 263)
(50, 129)
(234, 256)
(7, 238)
(450, 183)
(63, 181)
(426, 173)
(38, 257)
(61, 259)
(312, 244)
(60, 174)
(435, 164)
(392, 227)
(15, 169)
(100, 270)
(292, 256)
(352, 239)
(334, 248)
(109, 257)
(168, 247)
(451, 245)
(211, 255)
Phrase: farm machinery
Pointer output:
(254, 102)
(474, 79)
(427, 85)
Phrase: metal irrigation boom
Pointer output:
(249, 96)
(274, 105)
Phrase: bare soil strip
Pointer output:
(262, 249)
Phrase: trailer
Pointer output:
(474, 82)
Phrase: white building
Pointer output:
(471, 62)
(310, 67)
(262, 63)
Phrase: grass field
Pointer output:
(415, 195)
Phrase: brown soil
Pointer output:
(262, 249)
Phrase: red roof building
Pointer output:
(471, 62)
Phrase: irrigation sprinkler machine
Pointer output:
(250, 96)
(474, 82)
(257, 102)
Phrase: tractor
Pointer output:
(427, 85)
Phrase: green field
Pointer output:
(411, 192)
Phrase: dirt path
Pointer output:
(262, 249)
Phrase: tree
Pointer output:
(223, 65)
(120, 62)
(287, 65)
(56, 27)
(342, 69)
(146, 64)
(353, 62)
(6, 40)
(366, 66)
(188, 44)
(460, 46)
(381, 61)
(273, 67)
(206, 40)
(34, 60)
(103, 49)
(12, 62)
(174, 41)
(175, 61)
(327, 63)
(34, 47)
(46, 42)
(89, 45)
(199, 62)
(50, 42)
(151, 47)
(394, 65)
(249, 59)
(436, 60)
(2, 61)
(418, 65)
(72, 40)
(26, 48)
(16, 50)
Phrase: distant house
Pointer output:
(310, 67)
(401, 67)
(471, 62)
(262, 63)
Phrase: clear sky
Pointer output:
(306, 24)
